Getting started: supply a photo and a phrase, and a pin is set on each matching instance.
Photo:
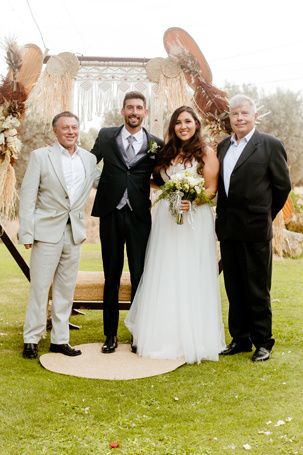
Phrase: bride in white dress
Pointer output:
(176, 312)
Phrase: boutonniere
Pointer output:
(153, 147)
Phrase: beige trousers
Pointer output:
(56, 265)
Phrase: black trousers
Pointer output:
(247, 270)
(120, 228)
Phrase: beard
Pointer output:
(133, 121)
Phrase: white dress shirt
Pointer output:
(137, 144)
(232, 156)
(73, 171)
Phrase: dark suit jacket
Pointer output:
(259, 186)
(117, 176)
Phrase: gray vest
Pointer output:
(129, 163)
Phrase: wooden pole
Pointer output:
(15, 253)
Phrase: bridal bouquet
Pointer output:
(188, 186)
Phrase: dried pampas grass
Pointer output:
(7, 189)
(13, 56)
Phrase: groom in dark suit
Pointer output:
(123, 203)
(253, 187)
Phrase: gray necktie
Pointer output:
(130, 148)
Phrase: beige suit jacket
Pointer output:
(44, 202)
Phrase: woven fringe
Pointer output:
(51, 95)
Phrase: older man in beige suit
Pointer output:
(54, 191)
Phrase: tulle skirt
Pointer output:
(176, 312)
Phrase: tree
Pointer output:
(286, 122)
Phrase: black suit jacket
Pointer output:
(259, 186)
(117, 176)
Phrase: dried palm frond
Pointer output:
(32, 61)
(210, 99)
(213, 105)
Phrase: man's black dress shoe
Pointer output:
(110, 345)
(260, 355)
(30, 351)
(235, 348)
(65, 349)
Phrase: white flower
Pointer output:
(279, 423)
(177, 177)
(153, 147)
(10, 132)
(14, 144)
(10, 122)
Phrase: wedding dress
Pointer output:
(176, 312)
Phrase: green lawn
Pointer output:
(211, 408)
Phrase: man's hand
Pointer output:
(28, 245)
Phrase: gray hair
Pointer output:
(239, 99)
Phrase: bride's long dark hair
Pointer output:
(190, 150)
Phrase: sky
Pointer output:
(244, 41)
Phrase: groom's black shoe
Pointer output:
(110, 345)
(65, 349)
(30, 351)
(260, 355)
(235, 348)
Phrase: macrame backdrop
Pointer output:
(101, 83)
(94, 87)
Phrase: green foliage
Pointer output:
(208, 409)
(296, 200)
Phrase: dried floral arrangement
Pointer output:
(12, 108)
(210, 102)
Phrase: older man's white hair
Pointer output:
(239, 100)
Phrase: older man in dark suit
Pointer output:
(123, 204)
(253, 187)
